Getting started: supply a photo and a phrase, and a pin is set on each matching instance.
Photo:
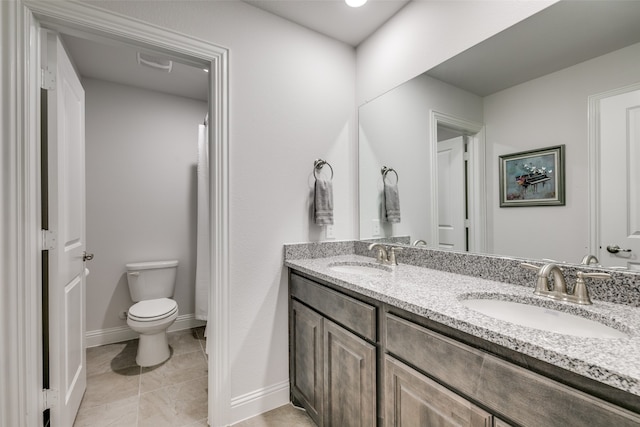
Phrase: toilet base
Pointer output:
(153, 349)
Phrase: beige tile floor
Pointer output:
(121, 393)
(173, 394)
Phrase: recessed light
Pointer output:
(355, 3)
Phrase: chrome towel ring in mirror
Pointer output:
(318, 164)
(385, 170)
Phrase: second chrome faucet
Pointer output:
(385, 254)
(559, 291)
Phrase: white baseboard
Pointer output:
(124, 333)
(259, 401)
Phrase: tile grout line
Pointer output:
(139, 396)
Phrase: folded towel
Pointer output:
(391, 202)
(323, 202)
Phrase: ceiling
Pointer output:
(562, 35)
(334, 18)
(117, 62)
(572, 34)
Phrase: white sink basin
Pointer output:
(542, 318)
(360, 269)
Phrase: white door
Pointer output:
(66, 223)
(451, 195)
(619, 243)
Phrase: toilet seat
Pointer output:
(152, 310)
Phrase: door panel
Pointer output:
(349, 378)
(412, 399)
(451, 195)
(307, 369)
(620, 180)
(66, 200)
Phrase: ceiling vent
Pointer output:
(157, 63)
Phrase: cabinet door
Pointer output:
(413, 400)
(349, 379)
(307, 365)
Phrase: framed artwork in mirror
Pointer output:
(533, 178)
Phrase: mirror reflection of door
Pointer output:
(452, 193)
(619, 243)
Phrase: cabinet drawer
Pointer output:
(520, 395)
(412, 399)
(351, 313)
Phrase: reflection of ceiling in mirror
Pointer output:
(574, 31)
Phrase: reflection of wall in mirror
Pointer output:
(394, 131)
(550, 110)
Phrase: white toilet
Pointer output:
(151, 285)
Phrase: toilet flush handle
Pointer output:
(133, 273)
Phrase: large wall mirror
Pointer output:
(526, 88)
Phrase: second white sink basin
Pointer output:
(361, 269)
(542, 318)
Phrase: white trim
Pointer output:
(593, 195)
(20, 321)
(124, 333)
(259, 401)
(477, 201)
(20, 360)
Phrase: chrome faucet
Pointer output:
(559, 291)
(385, 255)
(589, 259)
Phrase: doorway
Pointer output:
(453, 192)
(614, 126)
(26, 18)
(141, 156)
(463, 225)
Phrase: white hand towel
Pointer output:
(391, 202)
(323, 202)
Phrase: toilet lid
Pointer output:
(153, 308)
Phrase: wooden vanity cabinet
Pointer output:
(517, 394)
(332, 368)
(346, 374)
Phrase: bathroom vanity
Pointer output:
(375, 345)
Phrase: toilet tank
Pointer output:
(150, 280)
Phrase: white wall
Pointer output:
(395, 132)
(425, 33)
(551, 110)
(291, 101)
(141, 156)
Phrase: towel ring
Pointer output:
(385, 170)
(318, 164)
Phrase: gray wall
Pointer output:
(141, 155)
(550, 110)
(291, 101)
(395, 132)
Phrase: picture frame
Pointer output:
(533, 178)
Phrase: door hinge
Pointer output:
(49, 239)
(49, 398)
(465, 156)
(467, 223)
(47, 79)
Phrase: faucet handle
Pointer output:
(530, 266)
(580, 293)
(582, 274)
(392, 254)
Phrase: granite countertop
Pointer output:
(436, 295)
